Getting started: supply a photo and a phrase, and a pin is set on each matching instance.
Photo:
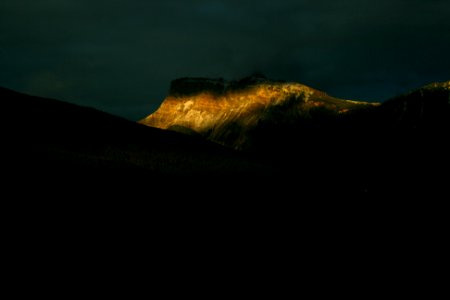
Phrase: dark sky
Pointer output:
(120, 55)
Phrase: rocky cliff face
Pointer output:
(229, 112)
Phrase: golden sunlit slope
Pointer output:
(226, 112)
(438, 85)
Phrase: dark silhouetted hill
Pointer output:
(52, 144)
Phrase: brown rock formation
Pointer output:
(226, 113)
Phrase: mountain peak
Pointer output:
(226, 112)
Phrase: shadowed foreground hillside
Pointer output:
(55, 143)
(77, 177)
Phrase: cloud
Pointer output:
(124, 53)
(47, 82)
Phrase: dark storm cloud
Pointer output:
(120, 55)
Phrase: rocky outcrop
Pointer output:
(229, 112)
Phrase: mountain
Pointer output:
(230, 113)
(49, 144)
(425, 108)
(340, 173)
(296, 140)
(329, 145)
(82, 184)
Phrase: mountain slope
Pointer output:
(229, 112)
(320, 143)
(60, 140)
(304, 144)
(425, 108)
